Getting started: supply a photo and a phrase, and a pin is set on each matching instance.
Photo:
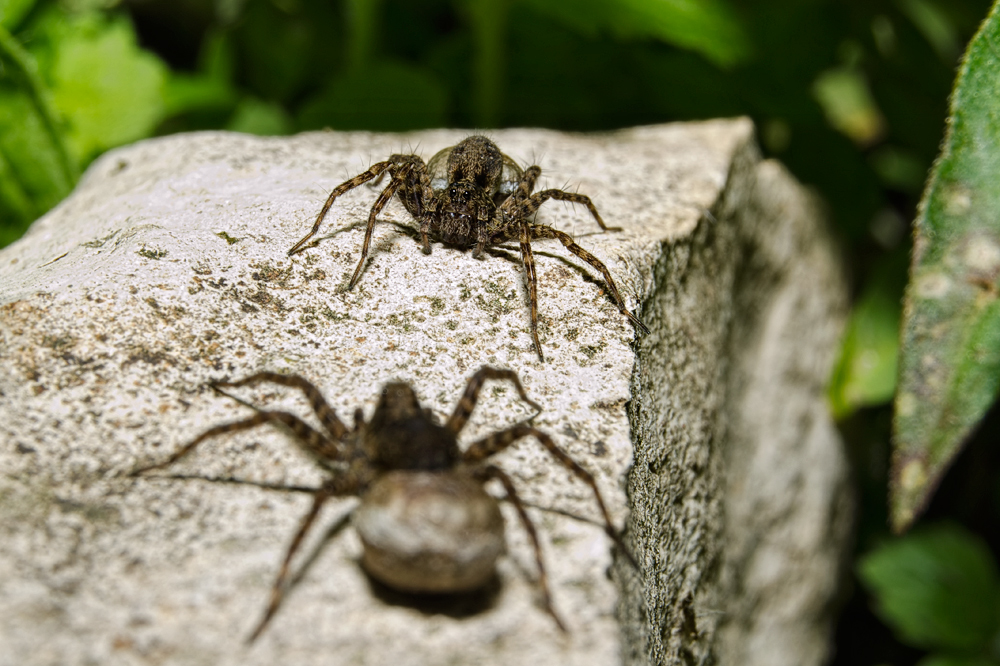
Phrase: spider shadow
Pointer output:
(510, 254)
(454, 605)
(513, 255)
(336, 232)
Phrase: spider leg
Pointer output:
(494, 472)
(416, 193)
(540, 231)
(524, 188)
(483, 233)
(425, 227)
(375, 171)
(528, 259)
(323, 411)
(278, 589)
(468, 401)
(311, 440)
(481, 450)
(397, 181)
(533, 203)
(334, 487)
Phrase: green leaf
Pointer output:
(865, 373)
(937, 588)
(709, 27)
(950, 361)
(109, 91)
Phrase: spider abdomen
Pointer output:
(429, 531)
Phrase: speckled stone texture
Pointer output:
(167, 269)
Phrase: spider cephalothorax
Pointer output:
(472, 195)
(425, 520)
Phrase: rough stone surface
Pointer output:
(167, 269)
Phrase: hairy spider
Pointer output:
(472, 195)
(426, 523)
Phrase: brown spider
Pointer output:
(426, 523)
(472, 195)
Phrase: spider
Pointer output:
(425, 521)
(472, 195)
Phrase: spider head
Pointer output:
(464, 207)
(464, 195)
(403, 435)
(398, 402)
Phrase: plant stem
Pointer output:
(489, 31)
(24, 65)
(362, 15)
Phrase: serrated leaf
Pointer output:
(709, 27)
(950, 360)
(937, 588)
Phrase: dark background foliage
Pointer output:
(850, 94)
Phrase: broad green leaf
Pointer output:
(950, 360)
(108, 90)
(865, 374)
(709, 27)
(937, 588)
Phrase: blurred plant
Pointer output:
(938, 589)
(865, 373)
(79, 85)
(850, 94)
(950, 357)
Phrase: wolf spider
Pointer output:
(426, 523)
(472, 195)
